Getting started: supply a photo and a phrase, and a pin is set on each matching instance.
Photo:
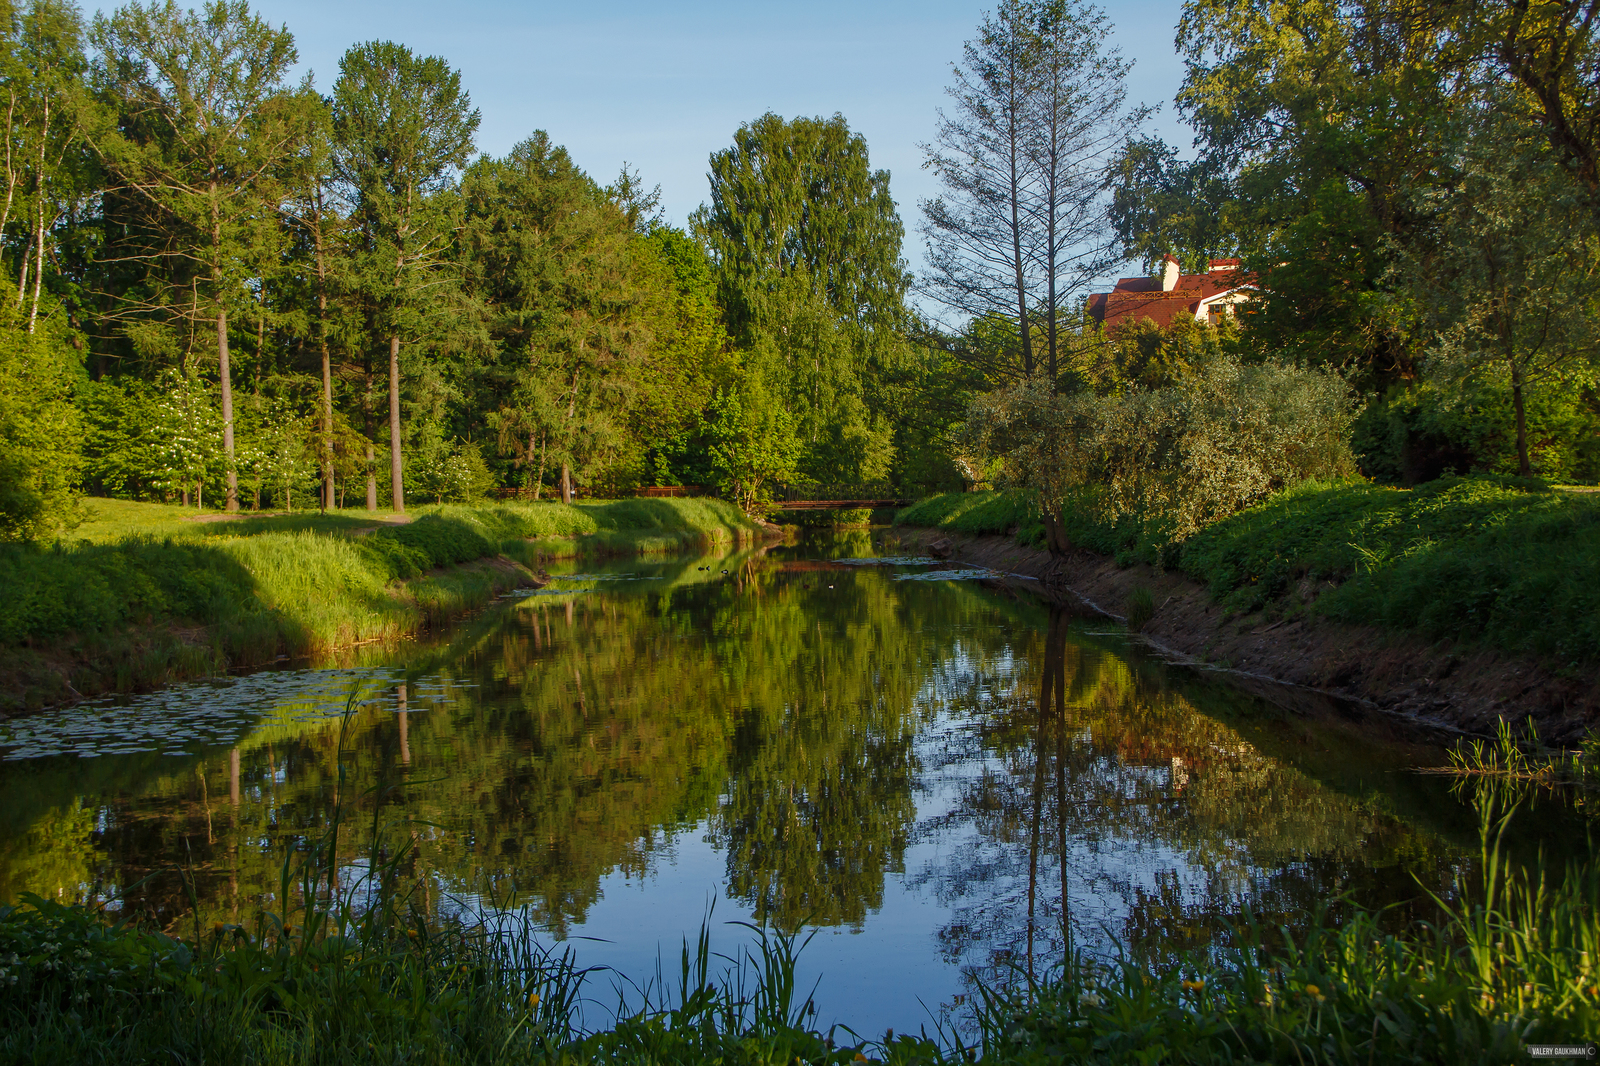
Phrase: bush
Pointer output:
(1176, 458)
(40, 458)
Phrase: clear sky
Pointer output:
(662, 85)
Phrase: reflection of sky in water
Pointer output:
(956, 899)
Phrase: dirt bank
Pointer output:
(1441, 683)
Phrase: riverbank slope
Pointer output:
(147, 596)
(1460, 604)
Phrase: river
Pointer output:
(937, 772)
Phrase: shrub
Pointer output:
(1175, 458)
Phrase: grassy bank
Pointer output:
(145, 596)
(1510, 564)
(339, 982)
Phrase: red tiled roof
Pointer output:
(1138, 298)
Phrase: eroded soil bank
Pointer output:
(1441, 683)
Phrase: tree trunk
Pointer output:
(372, 481)
(1014, 194)
(566, 483)
(1524, 467)
(327, 428)
(322, 343)
(226, 374)
(538, 480)
(38, 266)
(22, 274)
(1056, 538)
(398, 487)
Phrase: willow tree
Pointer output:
(403, 129)
(204, 122)
(806, 242)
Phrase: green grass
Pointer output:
(1498, 561)
(363, 975)
(972, 512)
(145, 597)
(1490, 560)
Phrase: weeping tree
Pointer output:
(806, 244)
(204, 124)
(402, 130)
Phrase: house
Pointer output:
(1207, 297)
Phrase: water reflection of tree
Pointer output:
(1109, 808)
(575, 739)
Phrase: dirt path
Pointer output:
(1441, 683)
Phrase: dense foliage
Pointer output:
(240, 290)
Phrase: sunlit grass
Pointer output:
(142, 595)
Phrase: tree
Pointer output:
(403, 127)
(1510, 281)
(40, 432)
(1022, 228)
(46, 105)
(574, 298)
(806, 242)
(320, 244)
(751, 440)
(204, 123)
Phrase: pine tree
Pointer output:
(403, 128)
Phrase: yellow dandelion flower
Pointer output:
(1194, 986)
(533, 999)
(860, 1057)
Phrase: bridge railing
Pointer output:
(868, 490)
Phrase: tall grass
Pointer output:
(1513, 959)
(206, 596)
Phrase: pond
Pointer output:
(937, 771)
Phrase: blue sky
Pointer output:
(662, 85)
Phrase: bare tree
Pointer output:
(1023, 228)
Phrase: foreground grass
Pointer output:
(1497, 561)
(146, 597)
(366, 978)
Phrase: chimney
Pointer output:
(1169, 274)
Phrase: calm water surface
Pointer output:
(932, 769)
